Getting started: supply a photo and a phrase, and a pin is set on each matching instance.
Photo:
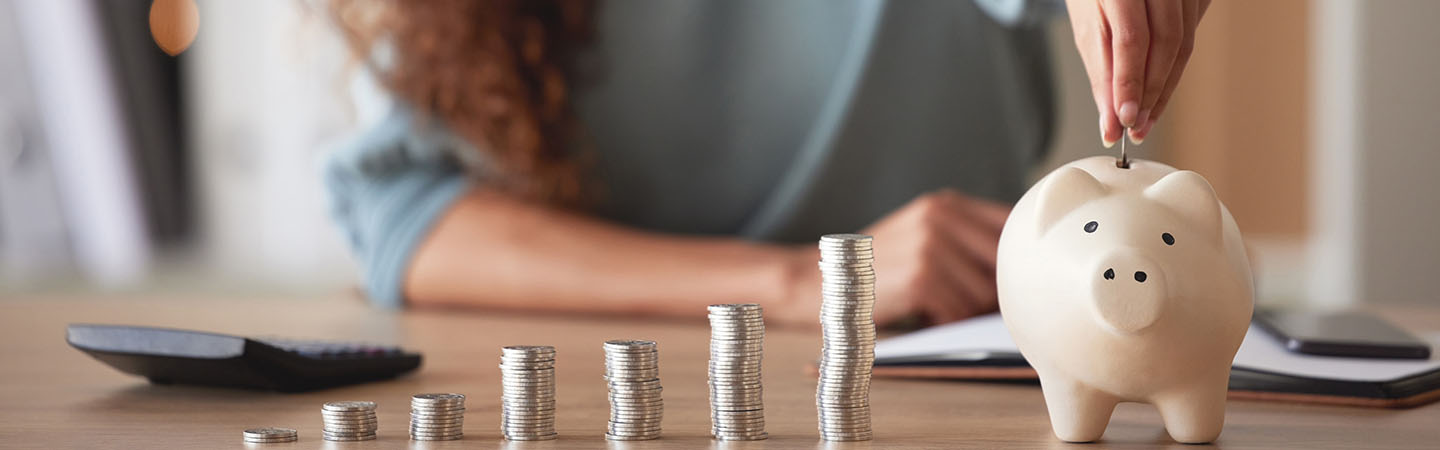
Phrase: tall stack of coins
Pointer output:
(349, 421)
(270, 435)
(527, 374)
(848, 326)
(437, 417)
(737, 406)
(632, 369)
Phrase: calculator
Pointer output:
(171, 356)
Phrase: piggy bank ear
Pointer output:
(1065, 190)
(1190, 195)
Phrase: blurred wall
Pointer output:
(1398, 151)
(1241, 116)
(270, 84)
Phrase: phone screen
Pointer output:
(1350, 334)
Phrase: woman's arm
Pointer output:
(495, 251)
(935, 257)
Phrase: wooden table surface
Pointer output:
(52, 396)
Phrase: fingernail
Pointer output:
(1128, 112)
(1139, 135)
(1108, 143)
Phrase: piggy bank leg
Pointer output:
(1078, 413)
(1194, 416)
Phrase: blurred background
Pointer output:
(1317, 121)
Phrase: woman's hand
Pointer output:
(934, 257)
(1134, 53)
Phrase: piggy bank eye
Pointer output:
(1169, 240)
(1090, 227)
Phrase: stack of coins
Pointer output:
(737, 406)
(528, 402)
(270, 435)
(848, 326)
(349, 421)
(632, 369)
(437, 417)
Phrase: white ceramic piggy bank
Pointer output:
(1126, 285)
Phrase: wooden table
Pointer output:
(52, 396)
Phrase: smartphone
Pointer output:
(1351, 334)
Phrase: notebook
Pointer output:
(981, 348)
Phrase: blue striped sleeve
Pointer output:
(386, 189)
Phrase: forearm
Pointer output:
(494, 251)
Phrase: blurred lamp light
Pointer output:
(174, 24)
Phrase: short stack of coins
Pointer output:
(270, 435)
(737, 404)
(632, 370)
(842, 397)
(437, 417)
(527, 374)
(349, 421)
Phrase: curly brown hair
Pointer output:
(496, 73)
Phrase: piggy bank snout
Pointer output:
(1127, 290)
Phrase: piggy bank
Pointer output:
(1126, 285)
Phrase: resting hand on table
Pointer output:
(1134, 53)
(937, 260)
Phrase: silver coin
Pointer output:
(349, 406)
(655, 411)
(621, 365)
(631, 352)
(527, 418)
(526, 364)
(740, 416)
(827, 421)
(334, 419)
(527, 385)
(438, 438)
(756, 436)
(640, 374)
(438, 398)
(735, 392)
(528, 349)
(429, 410)
(846, 239)
(630, 343)
(634, 431)
(269, 432)
(632, 438)
(366, 421)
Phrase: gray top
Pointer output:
(769, 120)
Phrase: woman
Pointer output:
(656, 156)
